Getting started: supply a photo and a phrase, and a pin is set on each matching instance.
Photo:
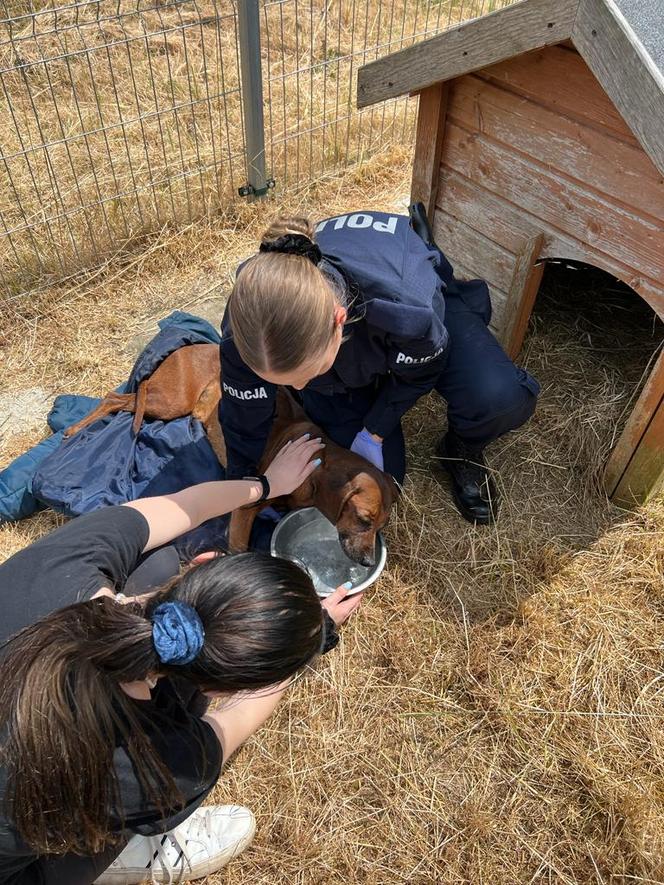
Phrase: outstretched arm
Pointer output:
(170, 516)
(240, 719)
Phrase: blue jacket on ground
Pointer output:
(106, 463)
(395, 335)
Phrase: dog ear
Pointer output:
(288, 410)
(353, 490)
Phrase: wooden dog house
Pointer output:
(540, 135)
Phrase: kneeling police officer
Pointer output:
(363, 316)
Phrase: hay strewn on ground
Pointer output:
(494, 714)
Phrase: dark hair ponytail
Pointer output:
(63, 711)
(265, 626)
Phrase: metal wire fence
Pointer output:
(121, 117)
(312, 52)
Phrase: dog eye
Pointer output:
(365, 523)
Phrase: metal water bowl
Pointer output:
(308, 539)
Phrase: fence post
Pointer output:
(252, 99)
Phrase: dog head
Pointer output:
(358, 499)
(353, 494)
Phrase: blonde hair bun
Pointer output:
(289, 224)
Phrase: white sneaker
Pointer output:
(199, 846)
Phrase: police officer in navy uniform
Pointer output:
(364, 316)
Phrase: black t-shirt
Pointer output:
(69, 565)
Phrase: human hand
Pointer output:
(338, 607)
(292, 465)
(370, 447)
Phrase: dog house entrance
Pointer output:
(609, 342)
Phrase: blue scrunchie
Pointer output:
(177, 633)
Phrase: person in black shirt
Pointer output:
(108, 752)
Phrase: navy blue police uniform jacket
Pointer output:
(394, 337)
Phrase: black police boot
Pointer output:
(473, 489)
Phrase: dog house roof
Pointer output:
(645, 18)
(621, 41)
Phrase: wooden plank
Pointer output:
(623, 67)
(467, 47)
(484, 211)
(634, 241)
(498, 302)
(486, 259)
(532, 74)
(591, 157)
(461, 272)
(475, 257)
(428, 144)
(636, 426)
(498, 297)
(497, 219)
(644, 476)
(522, 293)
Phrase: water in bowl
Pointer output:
(323, 558)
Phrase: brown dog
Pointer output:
(353, 494)
(185, 383)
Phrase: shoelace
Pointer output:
(464, 452)
(468, 462)
(158, 844)
(468, 470)
(175, 872)
(203, 822)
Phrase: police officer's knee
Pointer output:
(510, 396)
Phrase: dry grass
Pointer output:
(120, 120)
(494, 714)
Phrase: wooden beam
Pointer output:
(487, 259)
(621, 172)
(577, 95)
(625, 70)
(494, 216)
(475, 44)
(522, 293)
(645, 473)
(428, 145)
(637, 424)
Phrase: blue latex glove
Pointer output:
(364, 444)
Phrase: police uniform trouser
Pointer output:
(486, 394)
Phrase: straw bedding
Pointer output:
(495, 714)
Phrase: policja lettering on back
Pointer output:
(360, 221)
(393, 283)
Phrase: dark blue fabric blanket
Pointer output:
(106, 464)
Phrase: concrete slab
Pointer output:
(23, 411)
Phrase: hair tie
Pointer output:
(294, 244)
(177, 633)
